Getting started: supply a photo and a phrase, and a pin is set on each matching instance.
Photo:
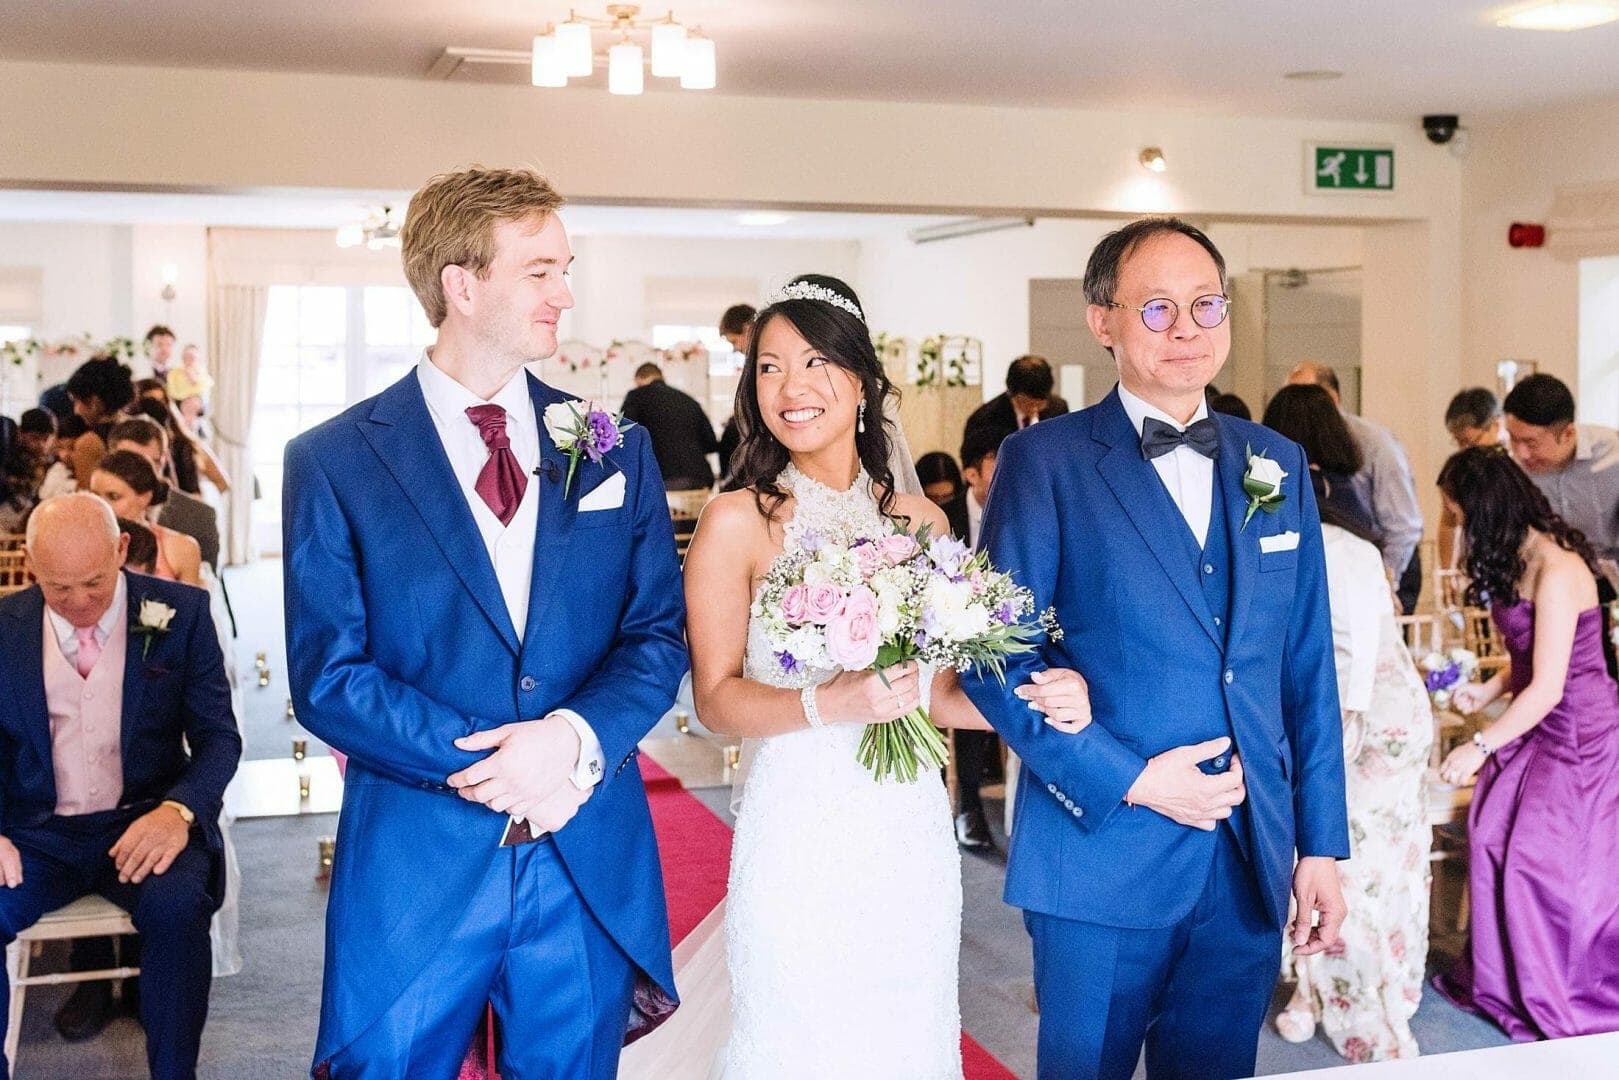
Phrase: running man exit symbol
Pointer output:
(1338, 168)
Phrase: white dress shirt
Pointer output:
(510, 547)
(1188, 476)
(975, 520)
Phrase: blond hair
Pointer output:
(452, 222)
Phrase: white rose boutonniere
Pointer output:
(152, 619)
(583, 429)
(1262, 483)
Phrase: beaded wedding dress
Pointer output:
(843, 919)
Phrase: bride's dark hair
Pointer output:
(1500, 504)
(845, 341)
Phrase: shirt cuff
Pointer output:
(587, 772)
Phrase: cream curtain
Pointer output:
(235, 341)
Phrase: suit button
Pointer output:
(1078, 812)
(1230, 676)
(1052, 788)
(1219, 762)
(527, 684)
(1217, 620)
(1208, 568)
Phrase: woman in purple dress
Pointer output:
(1544, 826)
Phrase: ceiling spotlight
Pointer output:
(1152, 159)
(1316, 75)
(1560, 15)
(763, 218)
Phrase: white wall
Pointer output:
(1599, 341)
(610, 275)
(1524, 303)
(86, 274)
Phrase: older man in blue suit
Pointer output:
(1155, 851)
(116, 743)
(487, 628)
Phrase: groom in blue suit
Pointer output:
(1154, 852)
(487, 628)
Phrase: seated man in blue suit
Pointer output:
(116, 743)
(1154, 851)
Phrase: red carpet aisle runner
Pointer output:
(695, 847)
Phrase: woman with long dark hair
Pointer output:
(843, 915)
(1543, 839)
(1308, 415)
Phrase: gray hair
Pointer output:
(62, 503)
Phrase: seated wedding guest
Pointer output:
(1364, 994)
(1308, 415)
(736, 327)
(31, 470)
(142, 554)
(159, 345)
(977, 752)
(101, 389)
(1231, 405)
(682, 437)
(181, 511)
(1385, 486)
(1028, 399)
(105, 795)
(190, 459)
(1473, 418)
(1576, 466)
(189, 386)
(1543, 864)
(941, 480)
(131, 487)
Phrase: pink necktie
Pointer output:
(89, 650)
(501, 483)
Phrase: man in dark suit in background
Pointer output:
(116, 743)
(682, 437)
(1028, 399)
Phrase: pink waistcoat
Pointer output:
(87, 723)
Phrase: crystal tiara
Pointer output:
(804, 290)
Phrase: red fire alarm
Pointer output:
(1521, 234)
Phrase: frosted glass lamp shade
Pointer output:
(698, 72)
(548, 62)
(668, 50)
(624, 72)
(574, 49)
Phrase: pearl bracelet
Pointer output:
(806, 698)
(1483, 747)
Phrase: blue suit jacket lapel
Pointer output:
(557, 512)
(25, 658)
(136, 651)
(401, 431)
(1141, 494)
(1233, 462)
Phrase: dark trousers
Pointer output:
(973, 752)
(65, 859)
(526, 943)
(1409, 587)
(1195, 992)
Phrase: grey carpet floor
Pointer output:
(262, 1021)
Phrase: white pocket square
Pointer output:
(607, 495)
(1288, 541)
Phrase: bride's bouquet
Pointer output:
(876, 602)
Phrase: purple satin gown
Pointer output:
(1544, 847)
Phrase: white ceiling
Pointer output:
(329, 209)
(1401, 58)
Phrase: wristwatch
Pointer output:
(184, 810)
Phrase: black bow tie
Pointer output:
(1159, 438)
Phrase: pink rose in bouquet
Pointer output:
(869, 558)
(795, 604)
(823, 602)
(898, 548)
(853, 636)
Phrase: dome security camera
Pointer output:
(1440, 127)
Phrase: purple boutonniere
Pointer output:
(583, 430)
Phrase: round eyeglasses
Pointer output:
(1160, 314)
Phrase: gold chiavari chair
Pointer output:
(685, 507)
(10, 541)
(14, 576)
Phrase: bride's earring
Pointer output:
(860, 418)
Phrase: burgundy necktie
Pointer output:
(502, 482)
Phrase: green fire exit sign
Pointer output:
(1347, 168)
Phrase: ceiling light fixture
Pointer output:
(380, 229)
(1152, 159)
(566, 51)
(763, 218)
(1314, 75)
(1560, 15)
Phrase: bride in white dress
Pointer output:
(843, 917)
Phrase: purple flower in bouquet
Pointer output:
(948, 554)
(1005, 615)
(589, 432)
(603, 434)
(790, 664)
(1443, 679)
